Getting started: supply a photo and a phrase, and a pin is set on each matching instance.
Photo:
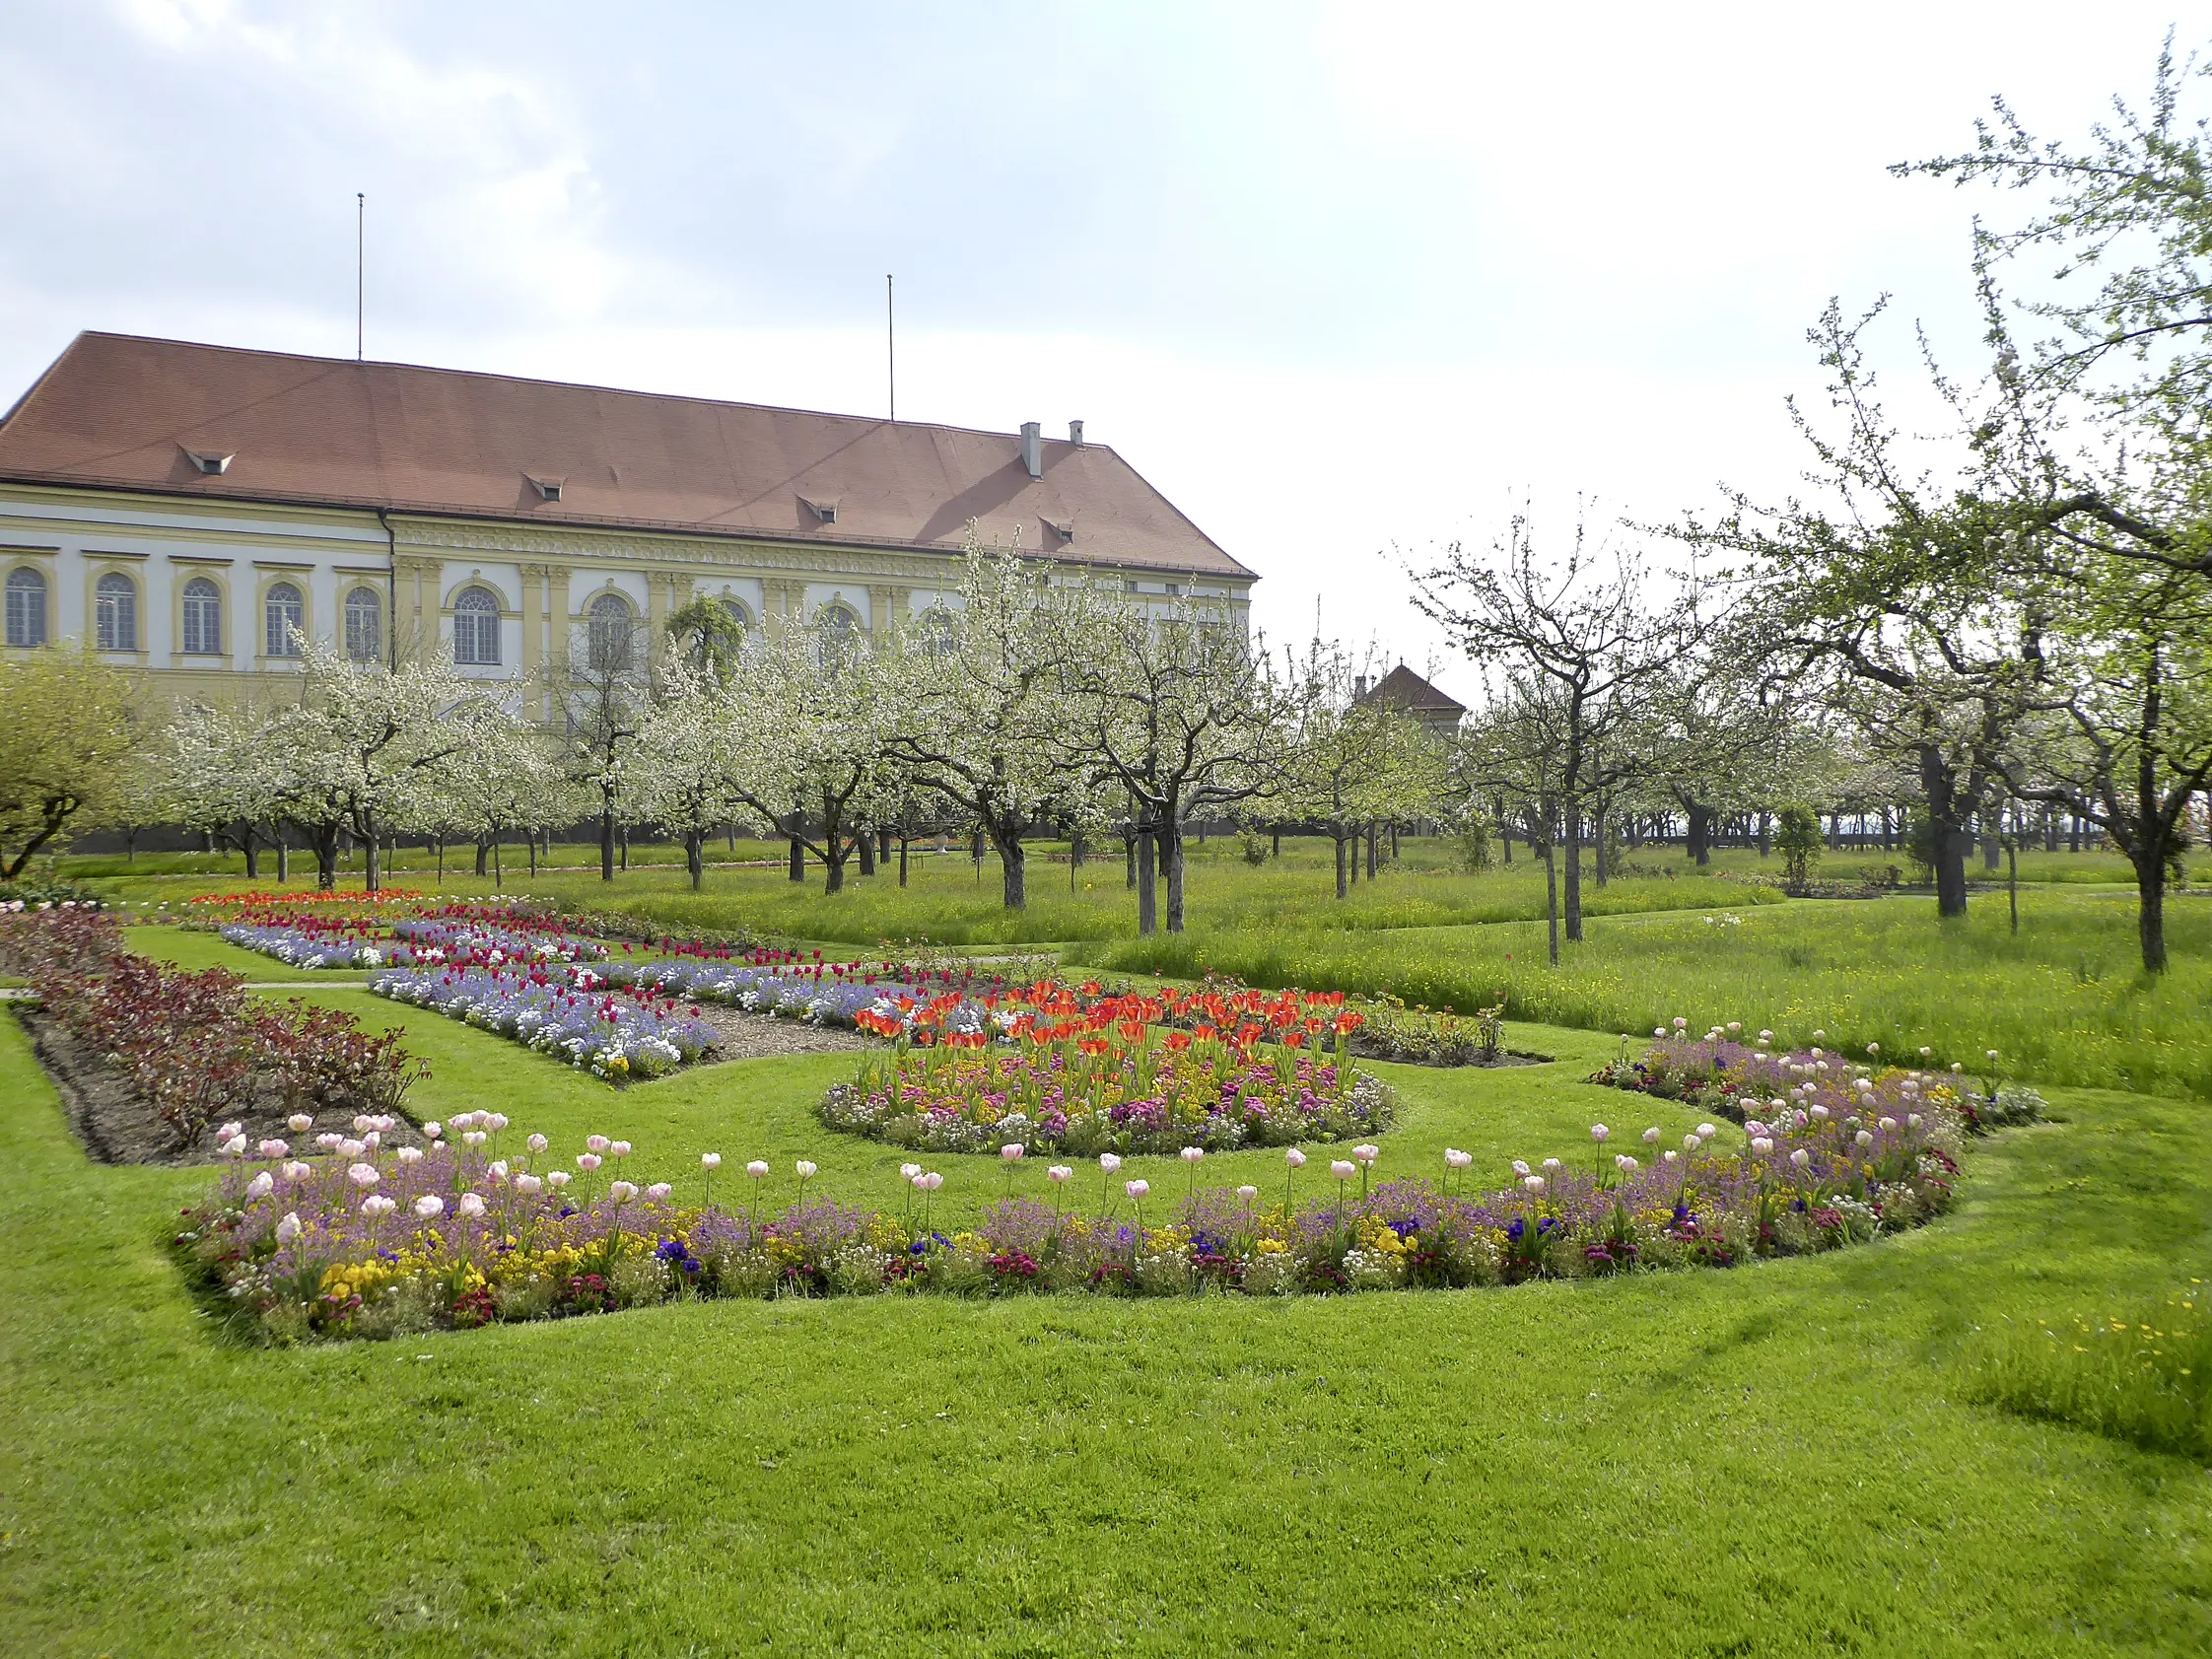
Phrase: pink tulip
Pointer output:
(1011, 1151)
(296, 1171)
(557, 1178)
(1651, 1136)
(350, 1149)
(1109, 1163)
(587, 1161)
(1762, 1146)
(1294, 1158)
(1136, 1189)
(710, 1160)
(1454, 1158)
(1520, 1167)
(1342, 1170)
(430, 1205)
(528, 1184)
(538, 1143)
(1534, 1183)
(1366, 1154)
(620, 1148)
(475, 1137)
(288, 1230)
(229, 1131)
(1248, 1193)
(932, 1181)
(409, 1155)
(273, 1149)
(910, 1170)
(597, 1142)
(1670, 1154)
(1192, 1155)
(1058, 1173)
(496, 1122)
(659, 1191)
(622, 1192)
(299, 1123)
(431, 1131)
(1705, 1132)
(364, 1175)
(1598, 1133)
(261, 1186)
(1801, 1157)
(471, 1203)
(757, 1169)
(377, 1204)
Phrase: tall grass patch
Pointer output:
(2143, 1377)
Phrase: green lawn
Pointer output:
(1768, 1461)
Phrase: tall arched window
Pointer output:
(203, 618)
(115, 607)
(476, 628)
(26, 607)
(738, 614)
(288, 616)
(611, 627)
(365, 631)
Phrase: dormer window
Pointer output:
(213, 463)
(1063, 528)
(824, 508)
(548, 489)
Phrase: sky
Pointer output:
(1348, 283)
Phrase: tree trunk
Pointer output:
(483, 856)
(866, 842)
(1551, 898)
(1174, 850)
(1275, 845)
(1147, 892)
(1013, 867)
(1374, 835)
(325, 839)
(884, 844)
(606, 839)
(372, 853)
(499, 876)
(1603, 826)
(695, 857)
(2150, 903)
(284, 858)
(1947, 833)
(797, 858)
(532, 838)
(1342, 890)
(1766, 834)
(1575, 872)
(902, 857)
(1128, 856)
(624, 833)
(1699, 843)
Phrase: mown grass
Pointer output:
(2064, 1001)
(1768, 1461)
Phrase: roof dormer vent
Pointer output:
(824, 508)
(1064, 529)
(213, 463)
(548, 489)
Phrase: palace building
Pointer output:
(184, 509)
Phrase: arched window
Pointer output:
(365, 631)
(288, 616)
(611, 628)
(940, 635)
(115, 611)
(476, 628)
(838, 630)
(26, 607)
(203, 618)
(738, 614)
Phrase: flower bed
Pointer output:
(1126, 1089)
(192, 1045)
(302, 935)
(1726, 1074)
(373, 1241)
(558, 1011)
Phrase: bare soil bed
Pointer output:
(751, 1036)
(118, 1124)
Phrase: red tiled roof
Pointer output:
(1408, 690)
(121, 412)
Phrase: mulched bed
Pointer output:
(118, 1124)
(1371, 1051)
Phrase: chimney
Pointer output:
(1033, 448)
(1359, 685)
(1076, 433)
